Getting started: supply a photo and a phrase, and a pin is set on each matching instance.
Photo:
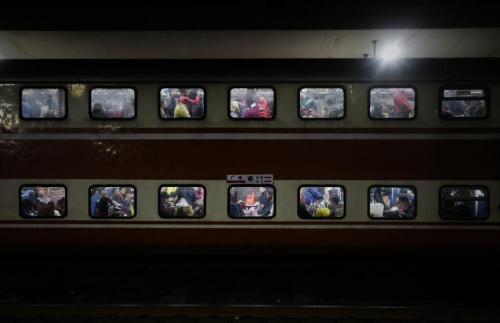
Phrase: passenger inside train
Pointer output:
(182, 201)
(43, 103)
(112, 202)
(42, 201)
(112, 103)
(251, 201)
(323, 103)
(392, 103)
(392, 202)
(252, 103)
(182, 103)
(465, 103)
(321, 202)
(463, 203)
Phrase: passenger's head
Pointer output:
(98, 111)
(404, 199)
(234, 197)
(128, 194)
(335, 201)
(116, 191)
(41, 191)
(164, 197)
(270, 195)
(123, 190)
(193, 93)
(262, 190)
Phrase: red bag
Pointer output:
(251, 198)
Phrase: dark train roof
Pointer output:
(249, 15)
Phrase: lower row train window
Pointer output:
(466, 203)
(43, 201)
(182, 201)
(112, 201)
(254, 201)
(251, 201)
(321, 202)
(392, 202)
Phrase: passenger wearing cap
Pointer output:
(409, 210)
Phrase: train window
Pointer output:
(458, 103)
(321, 103)
(112, 201)
(463, 203)
(43, 201)
(43, 103)
(393, 103)
(321, 202)
(251, 201)
(252, 103)
(182, 103)
(112, 103)
(392, 202)
(182, 201)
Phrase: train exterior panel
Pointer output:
(356, 152)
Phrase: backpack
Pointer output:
(181, 111)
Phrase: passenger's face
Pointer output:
(262, 190)
(41, 192)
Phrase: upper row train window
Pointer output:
(259, 103)
(393, 103)
(44, 103)
(112, 103)
(459, 102)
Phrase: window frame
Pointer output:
(321, 185)
(322, 86)
(112, 87)
(481, 187)
(58, 87)
(415, 202)
(388, 86)
(180, 87)
(183, 185)
(485, 98)
(228, 201)
(112, 185)
(43, 185)
(252, 87)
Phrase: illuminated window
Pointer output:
(463, 203)
(458, 103)
(393, 103)
(321, 103)
(321, 202)
(251, 201)
(182, 201)
(43, 103)
(43, 201)
(252, 103)
(392, 202)
(112, 201)
(112, 103)
(182, 103)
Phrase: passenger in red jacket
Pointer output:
(263, 108)
(191, 99)
(402, 107)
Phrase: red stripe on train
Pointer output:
(286, 159)
(248, 237)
